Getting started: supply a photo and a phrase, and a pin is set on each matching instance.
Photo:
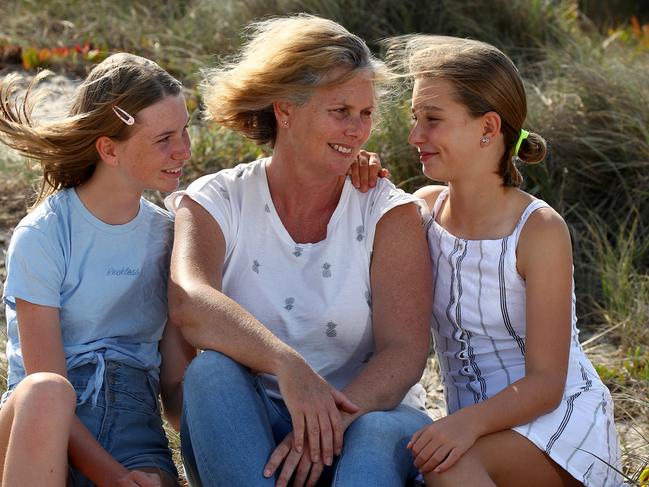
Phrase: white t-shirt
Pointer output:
(316, 297)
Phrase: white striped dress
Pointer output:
(479, 335)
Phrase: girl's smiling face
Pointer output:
(153, 156)
(445, 133)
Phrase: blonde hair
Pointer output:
(484, 80)
(285, 58)
(65, 149)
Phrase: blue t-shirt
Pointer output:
(108, 281)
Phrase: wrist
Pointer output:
(287, 359)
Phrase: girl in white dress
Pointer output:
(525, 405)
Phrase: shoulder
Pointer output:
(545, 223)
(384, 196)
(48, 216)
(222, 185)
(232, 177)
(156, 213)
(544, 239)
(430, 194)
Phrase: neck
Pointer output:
(304, 200)
(298, 187)
(477, 209)
(109, 201)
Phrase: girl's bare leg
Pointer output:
(35, 426)
(505, 459)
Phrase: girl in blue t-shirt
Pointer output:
(86, 280)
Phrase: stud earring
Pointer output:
(285, 122)
(485, 140)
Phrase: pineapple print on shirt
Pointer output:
(360, 230)
(331, 329)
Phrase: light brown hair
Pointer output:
(65, 149)
(285, 58)
(484, 80)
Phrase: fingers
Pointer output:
(303, 468)
(313, 433)
(343, 403)
(316, 471)
(430, 457)
(364, 171)
(338, 432)
(298, 431)
(291, 461)
(450, 460)
(415, 437)
(354, 172)
(326, 439)
(278, 455)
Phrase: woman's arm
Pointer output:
(211, 320)
(42, 350)
(401, 283)
(176, 355)
(545, 262)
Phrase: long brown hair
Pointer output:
(65, 149)
(484, 80)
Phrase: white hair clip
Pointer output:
(123, 115)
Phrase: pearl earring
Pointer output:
(285, 122)
(485, 140)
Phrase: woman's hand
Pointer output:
(137, 478)
(366, 170)
(314, 406)
(438, 446)
(286, 456)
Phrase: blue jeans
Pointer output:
(230, 427)
(126, 420)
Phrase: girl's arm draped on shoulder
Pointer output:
(544, 257)
(211, 320)
(42, 350)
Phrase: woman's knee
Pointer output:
(393, 426)
(214, 369)
(402, 421)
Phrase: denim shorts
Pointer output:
(126, 420)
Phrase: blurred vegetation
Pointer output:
(585, 65)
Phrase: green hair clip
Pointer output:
(521, 138)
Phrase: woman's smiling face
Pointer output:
(334, 124)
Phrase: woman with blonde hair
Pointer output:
(310, 299)
(86, 281)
